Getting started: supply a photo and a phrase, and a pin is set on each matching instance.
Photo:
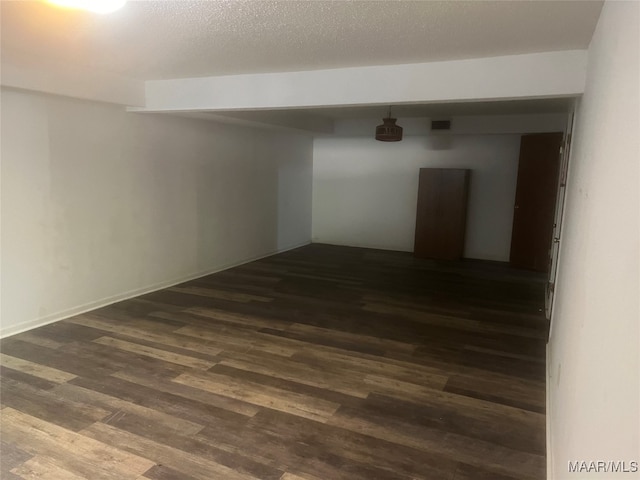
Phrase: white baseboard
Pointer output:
(372, 246)
(87, 307)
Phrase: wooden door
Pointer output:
(535, 201)
(442, 213)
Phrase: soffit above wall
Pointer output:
(506, 116)
(178, 39)
(445, 110)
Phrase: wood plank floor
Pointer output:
(322, 363)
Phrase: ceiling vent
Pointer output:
(440, 125)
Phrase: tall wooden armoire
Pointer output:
(442, 213)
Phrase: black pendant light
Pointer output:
(389, 131)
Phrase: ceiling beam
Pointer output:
(537, 75)
(72, 81)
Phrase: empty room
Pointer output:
(319, 240)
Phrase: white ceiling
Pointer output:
(179, 39)
(152, 40)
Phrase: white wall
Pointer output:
(99, 204)
(594, 366)
(365, 192)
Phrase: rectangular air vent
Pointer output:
(440, 124)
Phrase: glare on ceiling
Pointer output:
(95, 6)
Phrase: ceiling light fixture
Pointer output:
(95, 6)
(389, 131)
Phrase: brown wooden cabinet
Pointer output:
(442, 213)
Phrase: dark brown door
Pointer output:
(535, 200)
(442, 213)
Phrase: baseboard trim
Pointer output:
(398, 248)
(87, 307)
(364, 245)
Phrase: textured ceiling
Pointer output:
(177, 39)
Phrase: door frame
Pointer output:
(558, 220)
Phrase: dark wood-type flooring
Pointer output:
(322, 363)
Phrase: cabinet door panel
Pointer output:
(442, 213)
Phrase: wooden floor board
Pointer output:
(321, 363)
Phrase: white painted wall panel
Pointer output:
(365, 192)
(99, 204)
(594, 360)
